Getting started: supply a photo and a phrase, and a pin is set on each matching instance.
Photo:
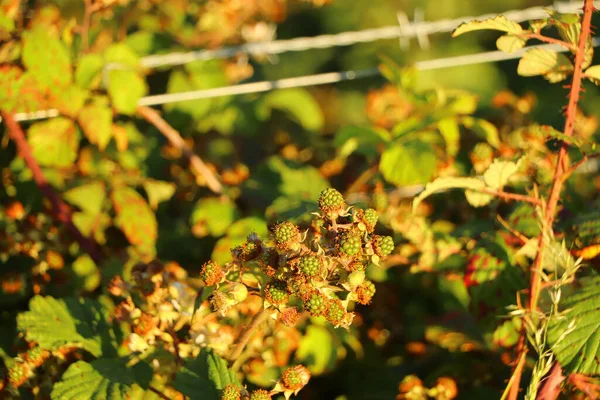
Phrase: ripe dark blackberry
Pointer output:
(211, 273)
(335, 311)
(276, 292)
(365, 292)
(350, 244)
(316, 304)
(286, 234)
(309, 265)
(260, 394)
(384, 245)
(231, 392)
(331, 202)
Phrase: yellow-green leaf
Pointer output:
(158, 191)
(54, 142)
(96, 122)
(593, 74)
(135, 218)
(47, 58)
(554, 66)
(510, 43)
(499, 23)
(125, 88)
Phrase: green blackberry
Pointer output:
(309, 265)
(36, 356)
(295, 378)
(384, 245)
(331, 201)
(286, 234)
(335, 312)
(18, 374)
(260, 394)
(365, 292)
(276, 292)
(211, 273)
(371, 216)
(350, 244)
(316, 304)
(231, 392)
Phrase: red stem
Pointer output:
(557, 182)
(60, 209)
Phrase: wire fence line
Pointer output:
(405, 30)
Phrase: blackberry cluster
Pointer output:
(331, 202)
(231, 392)
(335, 312)
(309, 265)
(286, 234)
(370, 217)
(384, 245)
(316, 304)
(350, 244)
(276, 292)
(365, 292)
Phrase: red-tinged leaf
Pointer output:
(55, 142)
(135, 218)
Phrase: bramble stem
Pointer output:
(61, 210)
(550, 40)
(510, 196)
(154, 118)
(246, 334)
(557, 184)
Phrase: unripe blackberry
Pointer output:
(365, 292)
(231, 392)
(309, 265)
(36, 356)
(350, 244)
(335, 311)
(276, 292)
(356, 278)
(260, 394)
(246, 252)
(211, 273)
(18, 374)
(300, 287)
(316, 304)
(286, 235)
(384, 245)
(370, 217)
(295, 378)
(331, 202)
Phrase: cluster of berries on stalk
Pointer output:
(317, 269)
(292, 381)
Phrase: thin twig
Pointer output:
(153, 117)
(550, 40)
(159, 393)
(245, 336)
(60, 209)
(510, 196)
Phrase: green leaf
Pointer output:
(100, 380)
(554, 66)
(299, 103)
(212, 216)
(574, 335)
(55, 142)
(87, 275)
(70, 100)
(135, 218)
(53, 323)
(125, 89)
(96, 123)
(448, 182)
(46, 58)
(482, 128)
(510, 43)
(120, 53)
(19, 91)
(204, 377)
(408, 163)
(593, 74)
(498, 174)
(88, 197)
(92, 225)
(317, 349)
(88, 73)
(499, 23)
(158, 191)
(363, 140)
(451, 133)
